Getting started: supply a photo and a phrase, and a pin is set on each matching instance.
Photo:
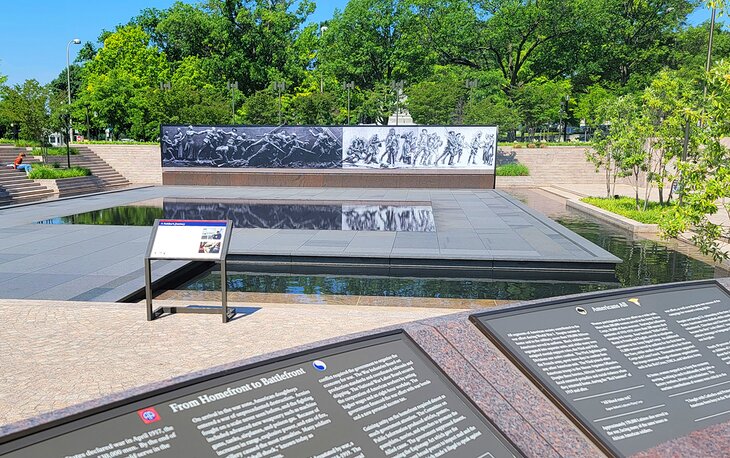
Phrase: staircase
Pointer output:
(14, 185)
(86, 158)
(549, 166)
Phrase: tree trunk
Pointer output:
(636, 187)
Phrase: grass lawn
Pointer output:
(512, 170)
(626, 206)
(44, 172)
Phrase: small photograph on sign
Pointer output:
(212, 234)
(209, 247)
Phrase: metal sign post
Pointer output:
(189, 240)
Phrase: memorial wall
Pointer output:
(331, 147)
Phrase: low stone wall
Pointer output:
(330, 178)
(139, 164)
(66, 186)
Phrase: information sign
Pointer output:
(188, 239)
(376, 397)
(635, 368)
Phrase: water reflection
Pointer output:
(246, 214)
(646, 261)
(388, 286)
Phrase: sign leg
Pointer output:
(148, 287)
(224, 290)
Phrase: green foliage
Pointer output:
(365, 43)
(261, 108)
(19, 143)
(439, 100)
(590, 105)
(313, 108)
(540, 100)
(512, 170)
(621, 151)
(44, 172)
(103, 142)
(626, 206)
(121, 80)
(705, 179)
(54, 151)
(493, 113)
(27, 105)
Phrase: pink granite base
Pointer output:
(485, 375)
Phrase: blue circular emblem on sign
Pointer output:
(319, 365)
(148, 415)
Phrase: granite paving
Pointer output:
(55, 354)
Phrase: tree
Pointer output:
(121, 80)
(27, 105)
(251, 42)
(438, 100)
(639, 37)
(367, 43)
(191, 99)
(524, 40)
(309, 106)
(261, 108)
(491, 112)
(589, 107)
(706, 178)
(540, 101)
(620, 151)
(690, 51)
(668, 104)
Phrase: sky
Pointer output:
(35, 33)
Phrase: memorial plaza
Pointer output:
(364, 228)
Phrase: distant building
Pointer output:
(56, 139)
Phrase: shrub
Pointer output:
(43, 172)
(19, 143)
(626, 206)
(54, 151)
(512, 170)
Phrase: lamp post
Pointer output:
(75, 41)
(233, 87)
(322, 30)
(349, 86)
(564, 125)
(280, 86)
(397, 86)
(709, 48)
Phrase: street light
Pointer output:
(75, 41)
(349, 86)
(280, 86)
(397, 86)
(233, 87)
(322, 30)
(709, 48)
